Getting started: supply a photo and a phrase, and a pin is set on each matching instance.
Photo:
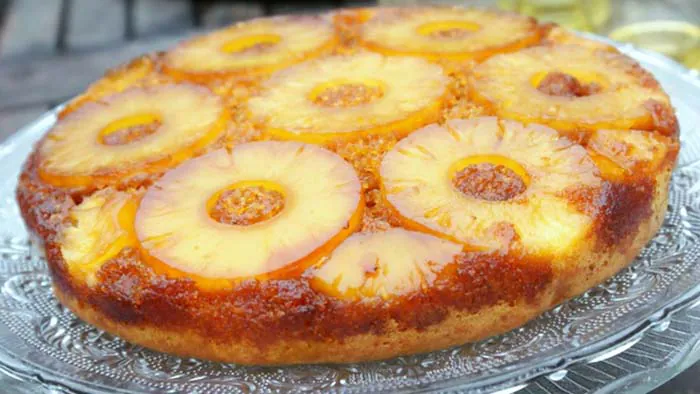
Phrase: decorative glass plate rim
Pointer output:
(516, 378)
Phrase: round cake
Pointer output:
(349, 186)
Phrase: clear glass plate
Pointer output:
(632, 332)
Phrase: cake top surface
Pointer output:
(360, 154)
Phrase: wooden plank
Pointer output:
(58, 78)
(12, 120)
(303, 7)
(161, 16)
(95, 23)
(30, 28)
(220, 14)
(367, 3)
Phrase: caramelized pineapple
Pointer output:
(140, 71)
(558, 35)
(448, 32)
(486, 183)
(350, 96)
(570, 88)
(140, 130)
(257, 46)
(100, 227)
(266, 208)
(371, 265)
(625, 153)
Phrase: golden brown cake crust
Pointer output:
(285, 320)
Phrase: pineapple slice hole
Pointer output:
(448, 29)
(569, 83)
(347, 93)
(247, 202)
(253, 43)
(489, 177)
(129, 129)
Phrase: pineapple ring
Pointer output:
(620, 154)
(448, 33)
(411, 96)
(101, 226)
(417, 180)
(175, 227)
(370, 265)
(508, 84)
(176, 121)
(258, 46)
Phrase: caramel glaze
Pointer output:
(43, 207)
(664, 119)
(129, 290)
(624, 207)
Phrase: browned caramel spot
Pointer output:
(489, 182)
(664, 119)
(624, 206)
(247, 205)
(348, 95)
(561, 84)
(131, 134)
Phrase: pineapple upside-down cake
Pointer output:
(349, 186)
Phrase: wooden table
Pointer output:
(51, 49)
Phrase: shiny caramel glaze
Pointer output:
(132, 292)
(264, 312)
